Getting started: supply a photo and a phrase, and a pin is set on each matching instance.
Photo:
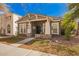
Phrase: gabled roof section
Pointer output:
(31, 17)
(38, 16)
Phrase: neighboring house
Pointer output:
(39, 25)
(8, 25)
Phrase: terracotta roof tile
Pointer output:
(1, 8)
(8, 14)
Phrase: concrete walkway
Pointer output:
(22, 42)
(8, 50)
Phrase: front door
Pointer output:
(38, 29)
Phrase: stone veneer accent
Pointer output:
(45, 36)
(29, 35)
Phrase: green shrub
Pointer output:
(40, 42)
(67, 34)
(14, 38)
(70, 27)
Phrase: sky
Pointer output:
(49, 9)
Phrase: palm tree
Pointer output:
(76, 6)
(68, 23)
(76, 12)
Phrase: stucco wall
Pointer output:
(7, 20)
(0, 23)
(15, 25)
(47, 27)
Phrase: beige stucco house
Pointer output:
(38, 25)
(8, 24)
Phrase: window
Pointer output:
(8, 29)
(54, 28)
(22, 28)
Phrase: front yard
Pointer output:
(10, 40)
(50, 46)
(57, 45)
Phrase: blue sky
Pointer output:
(49, 9)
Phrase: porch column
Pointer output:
(18, 29)
(47, 27)
(29, 29)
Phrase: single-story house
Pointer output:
(39, 25)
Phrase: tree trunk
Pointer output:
(77, 33)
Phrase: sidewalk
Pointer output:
(8, 50)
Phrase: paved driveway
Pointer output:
(8, 50)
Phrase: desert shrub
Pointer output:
(71, 51)
(14, 38)
(64, 50)
(41, 42)
(60, 48)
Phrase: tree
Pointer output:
(68, 24)
(76, 6)
(76, 13)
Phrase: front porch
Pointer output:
(34, 25)
(38, 28)
(35, 28)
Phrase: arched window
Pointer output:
(8, 29)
